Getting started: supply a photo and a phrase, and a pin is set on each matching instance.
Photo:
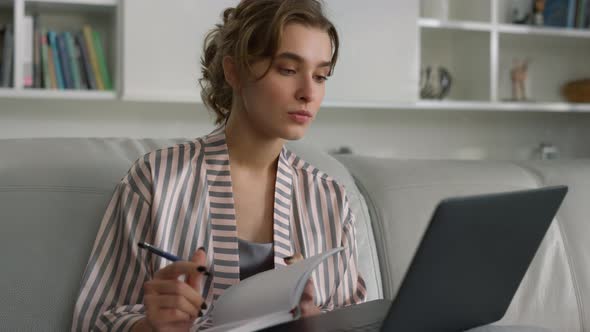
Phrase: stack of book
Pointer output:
(64, 60)
(573, 14)
(6, 55)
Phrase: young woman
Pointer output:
(264, 75)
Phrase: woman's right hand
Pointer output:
(171, 304)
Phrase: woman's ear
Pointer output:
(230, 71)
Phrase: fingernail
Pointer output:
(200, 314)
(204, 306)
(201, 248)
(288, 258)
(202, 269)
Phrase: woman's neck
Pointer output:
(248, 147)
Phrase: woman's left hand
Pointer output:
(306, 305)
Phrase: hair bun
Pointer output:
(228, 14)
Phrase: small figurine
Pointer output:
(518, 74)
(538, 8)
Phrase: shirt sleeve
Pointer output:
(111, 294)
(350, 286)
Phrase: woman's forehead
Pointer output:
(305, 44)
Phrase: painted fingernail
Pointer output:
(200, 314)
(288, 258)
(201, 248)
(204, 306)
(202, 269)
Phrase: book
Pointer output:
(51, 70)
(265, 299)
(7, 56)
(45, 61)
(51, 36)
(64, 58)
(84, 58)
(89, 40)
(556, 12)
(29, 40)
(37, 67)
(73, 60)
(571, 14)
(102, 64)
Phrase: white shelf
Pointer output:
(58, 94)
(103, 3)
(543, 31)
(454, 25)
(452, 105)
(502, 106)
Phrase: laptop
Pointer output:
(466, 270)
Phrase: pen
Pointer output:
(158, 252)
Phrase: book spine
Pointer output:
(581, 17)
(102, 64)
(86, 61)
(56, 61)
(571, 14)
(51, 66)
(73, 60)
(37, 75)
(64, 61)
(92, 54)
(45, 60)
(29, 42)
(8, 49)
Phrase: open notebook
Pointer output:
(265, 299)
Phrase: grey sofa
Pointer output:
(53, 193)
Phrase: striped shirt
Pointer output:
(179, 199)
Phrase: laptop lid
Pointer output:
(471, 260)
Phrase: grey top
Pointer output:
(255, 258)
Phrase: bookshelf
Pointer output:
(476, 41)
(59, 16)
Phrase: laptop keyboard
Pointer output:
(370, 327)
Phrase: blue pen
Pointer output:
(158, 252)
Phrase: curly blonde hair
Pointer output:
(249, 32)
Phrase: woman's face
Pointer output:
(284, 102)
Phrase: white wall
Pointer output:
(401, 134)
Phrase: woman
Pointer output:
(264, 73)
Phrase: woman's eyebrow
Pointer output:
(298, 58)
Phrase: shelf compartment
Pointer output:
(554, 61)
(465, 54)
(456, 10)
(69, 15)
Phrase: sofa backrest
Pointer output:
(53, 194)
(402, 194)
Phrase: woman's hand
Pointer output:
(306, 305)
(171, 304)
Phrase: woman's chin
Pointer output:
(293, 133)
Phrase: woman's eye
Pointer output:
(287, 71)
(321, 79)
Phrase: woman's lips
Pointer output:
(301, 117)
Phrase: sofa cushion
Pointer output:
(573, 221)
(402, 195)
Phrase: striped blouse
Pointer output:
(179, 199)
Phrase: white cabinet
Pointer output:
(378, 61)
(163, 41)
